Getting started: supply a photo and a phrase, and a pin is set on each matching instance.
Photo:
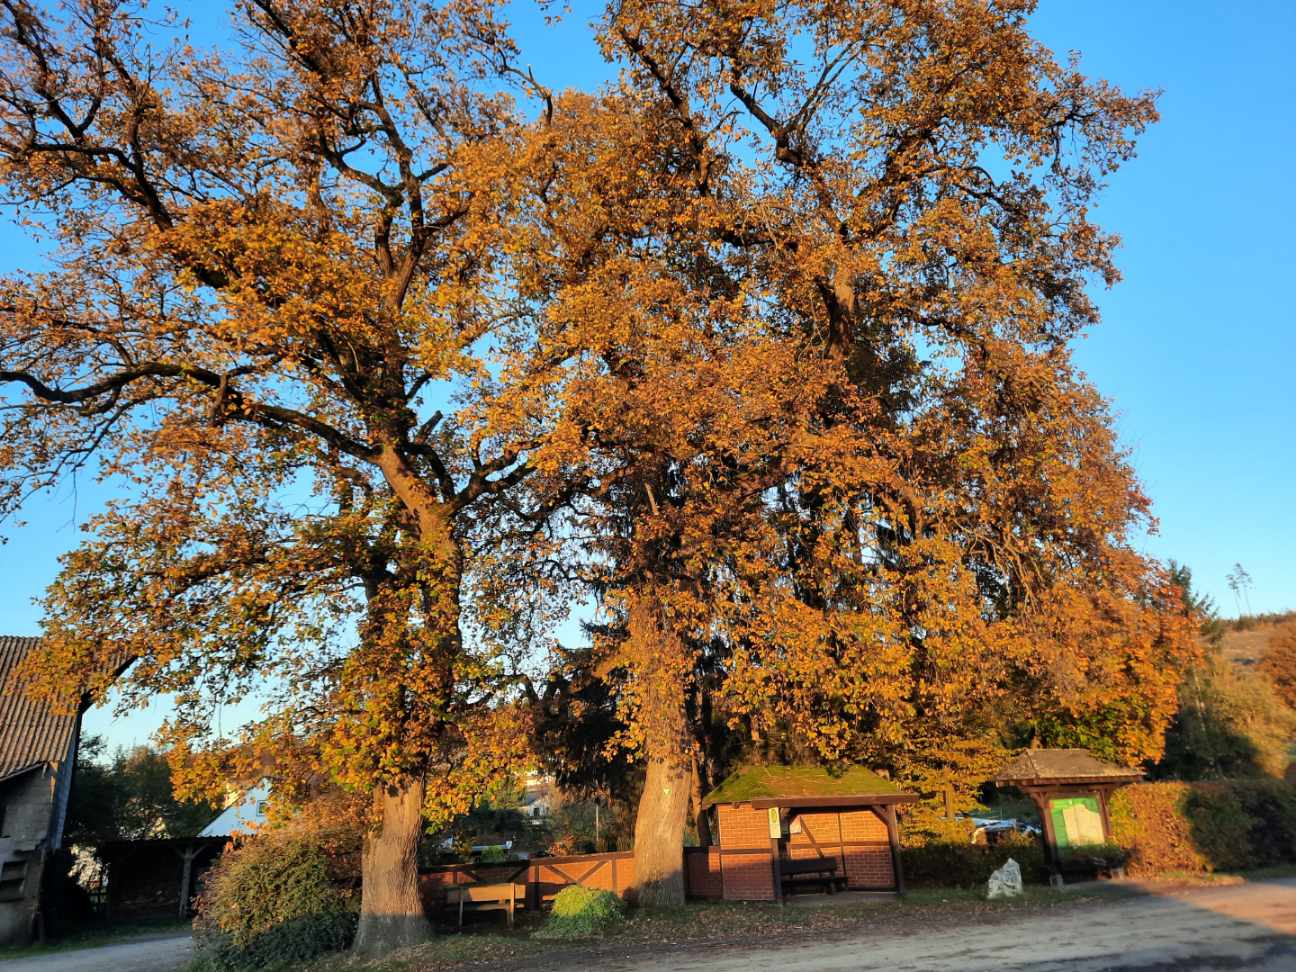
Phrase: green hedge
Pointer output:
(954, 863)
(1204, 827)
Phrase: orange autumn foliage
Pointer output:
(393, 348)
(1279, 662)
(837, 450)
(284, 283)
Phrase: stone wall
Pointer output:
(28, 802)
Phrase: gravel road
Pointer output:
(1248, 926)
(141, 955)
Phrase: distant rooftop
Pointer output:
(242, 816)
(1062, 764)
(31, 733)
(782, 784)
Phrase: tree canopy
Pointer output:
(763, 347)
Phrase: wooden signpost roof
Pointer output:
(1041, 767)
(806, 786)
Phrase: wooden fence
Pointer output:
(546, 876)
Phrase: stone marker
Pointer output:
(1005, 882)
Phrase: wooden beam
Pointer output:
(893, 834)
(778, 868)
(841, 850)
(186, 878)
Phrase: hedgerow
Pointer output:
(950, 862)
(1205, 827)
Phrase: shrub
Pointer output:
(582, 913)
(1203, 827)
(952, 863)
(1272, 806)
(1219, 825)
(1095, 857)
(272, 900)
(297, 940)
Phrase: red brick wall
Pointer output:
(818, 829)
(867, 849)
(702, 872)
(745, 858)
(856, 838)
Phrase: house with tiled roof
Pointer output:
(38, 745)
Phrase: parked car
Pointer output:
(990, 829)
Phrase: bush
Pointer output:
(1204, 827)
(951, 863)
(297, 940)
(1091, 858)
(272, 900)
(582, 913)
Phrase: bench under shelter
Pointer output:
(788, 829)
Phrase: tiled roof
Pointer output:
(778, 782)
(31, 733)
(1061, 764)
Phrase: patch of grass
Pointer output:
(712, 923)
(95, 938)
(446, 952)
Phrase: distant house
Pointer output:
(539, 796)
(241, 815)
(38, 748)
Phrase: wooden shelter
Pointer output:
(782, 828)
(1071, 788)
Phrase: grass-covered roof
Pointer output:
(779, 782)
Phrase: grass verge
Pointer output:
(705, 924)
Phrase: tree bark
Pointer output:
(662, 664)
(659, 831)
(391, 913)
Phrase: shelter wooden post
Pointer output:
(187, 855)
(893, 833)
(776, 814)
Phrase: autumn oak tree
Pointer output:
(765, 346)
(926, 551)
(280, 299)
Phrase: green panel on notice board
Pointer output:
(1077, 822)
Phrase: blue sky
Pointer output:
(1198, 345)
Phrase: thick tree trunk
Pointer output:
(391, 914)
(659, 831)
(662, 665)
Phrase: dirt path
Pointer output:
(142, 955)
(1244, 926)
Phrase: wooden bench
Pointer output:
(799, 871)
(487, 897)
